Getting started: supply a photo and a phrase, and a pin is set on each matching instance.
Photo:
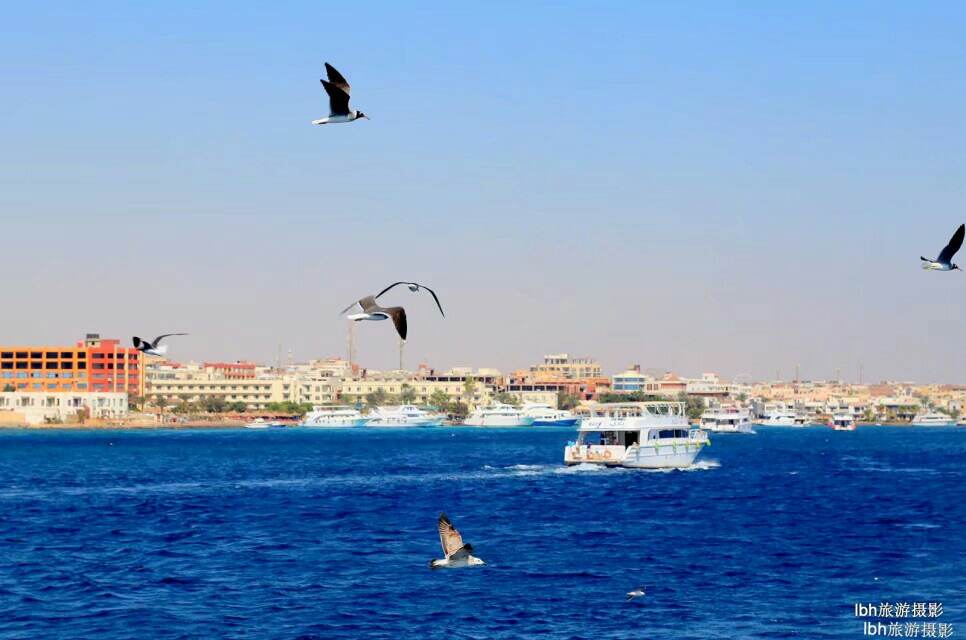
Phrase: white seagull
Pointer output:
(633, 594)
(338, 90)
(457, 553)
(372, 311)
(415, 286)
(945, 260)
(152, 348)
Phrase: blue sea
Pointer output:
(296, 534)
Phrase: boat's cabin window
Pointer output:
(670, 433)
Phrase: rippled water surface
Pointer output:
(327, 534)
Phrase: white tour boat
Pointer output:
(640, 435)
(933, 419)
(779, 418)
(406, 415)
(843, 422)
(728, 420)
(546, 416)
(333, 416)
(498, 415)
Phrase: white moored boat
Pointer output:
(498, 415)
(843, 422)
(778, 418)
(933, 419)
(726, 420)
(333, 417)
(546, 416)
(640, 435)
(406, 415)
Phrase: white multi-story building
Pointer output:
(18, 407)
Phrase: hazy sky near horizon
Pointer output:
(709, 186)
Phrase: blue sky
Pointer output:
(726, 186)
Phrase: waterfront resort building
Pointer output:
(93, 365)
(19, 408)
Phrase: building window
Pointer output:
(21, 354)
(66, 374)
(21, 385)
(52, 386)
(81, 386)
(36, 374)
(81, 365)
(51, 354)
(98, 366)
(97, 356)
(51, 374)
(66, 365)
(36, 354)
(51, 365)
(68, 386)
(37, 385)
(66, 354)
(36, 365)
(6, 354)
(6, 365)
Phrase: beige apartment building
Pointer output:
(563, 366)
(453, 382)
(254, 385)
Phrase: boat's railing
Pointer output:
(636, 409)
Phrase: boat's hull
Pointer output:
(745, 428)
(944, 423)
(664, 456)
(561, 422)
(403, 423)
(341, 423)
(498, 421)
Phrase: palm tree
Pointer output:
(407, 394)
(469, 390)
(440, 399)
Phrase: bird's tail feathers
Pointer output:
(162, 348)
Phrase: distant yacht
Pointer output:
(498, 415)
(778, 418)
(843, 422)
(546, 416)
(258, 423)
(335, 416)
(406, 415)
(933, 419)
(642, 435)
(726, 420)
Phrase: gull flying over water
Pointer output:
(457, 553)
(338, 90)
(153, 348)
(945, 260)
(415, 286)
(633, 594)
(372, 311)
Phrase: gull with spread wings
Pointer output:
(338, 90)
(945, 260)
(457, 553)
(153, 348)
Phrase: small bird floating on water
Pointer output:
(372, 311)
(457, 553)
(945, 260)
(633, 594)
(338, 90)
(415, 286)
(152, 348)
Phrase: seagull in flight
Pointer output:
(152, 348)
(945, 260)
(370, 310)
(415, 286)
(457, 553)
(338, 90)
(633, 594)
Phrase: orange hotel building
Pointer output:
(95, 364)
